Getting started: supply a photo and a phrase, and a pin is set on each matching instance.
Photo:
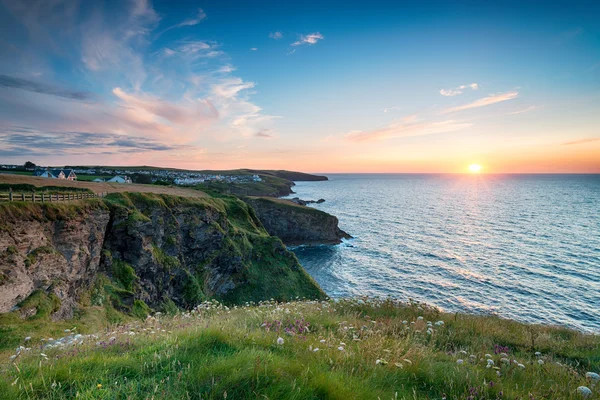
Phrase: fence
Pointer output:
(46, 197)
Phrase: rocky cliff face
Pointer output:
(296, 224)
(138, 250)
(51, 248)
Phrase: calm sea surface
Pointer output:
(526, 247)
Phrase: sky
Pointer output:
(324, 86)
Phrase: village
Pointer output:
(126, 176)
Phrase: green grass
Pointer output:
(215, 352)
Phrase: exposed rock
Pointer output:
(301, 202)
(59, 254)
(296, 224)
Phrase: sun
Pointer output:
(474, 168)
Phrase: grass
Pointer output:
(365, 351)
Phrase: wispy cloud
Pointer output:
(581, 141)
(530, 108)
(408, 127)
(485, 101)
(265, 134)
(458, 90)
(310, 39)
(200, 16)
(276, 35)
(390, 109)
(253, 49)
(17, 140)
(38, 87)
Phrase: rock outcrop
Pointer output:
(296, 224)
(56, 249)
(137, 250)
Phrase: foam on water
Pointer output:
(525, 247)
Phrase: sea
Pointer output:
(524, 247)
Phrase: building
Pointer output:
(98, 180)
(120, 179)
(67, 174)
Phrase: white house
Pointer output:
(120, 179)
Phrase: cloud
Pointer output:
(407, 127)
(530, 108)
(580, 141)
(289, 53)
(21, 141)
(265, 134)
(485, 101)
(458, 90)
(310, 39)
(200, 16)
(229, 88)
(253, 49)
(389, 109)
(276, 35)
(174, 92)
(37, 87)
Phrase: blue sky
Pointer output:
(316, 86)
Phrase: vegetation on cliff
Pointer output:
(350, 349)
(296, 224)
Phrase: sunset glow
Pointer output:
(475, 168)
(221, 87)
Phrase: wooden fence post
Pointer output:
(22, 196)
(42, 197)
(10, 194)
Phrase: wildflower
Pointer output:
(322, 340)
(490, 363)
(399, 365)
(505, 360)
(439, 323)
(99, 386)
(280, 341)
(541, 362)
(13, 357)
(459, 361)
(406, 360)
(316, 349)
(404, 322)
(462, 352)
(584, 391)
(419, 318)
(341, 348)
(28, 338)
(538, 354)
(488, 356)
(521, 366)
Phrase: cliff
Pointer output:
(295, 224)
(133, 251)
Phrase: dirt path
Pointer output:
(98, 187)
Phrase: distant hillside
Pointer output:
(289, 175)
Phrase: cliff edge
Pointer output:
(133, 251)
(296, 224)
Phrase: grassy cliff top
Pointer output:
(351, 349)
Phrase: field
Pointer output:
(350, 349)
(98, 187)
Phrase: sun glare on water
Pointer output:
(474, 168)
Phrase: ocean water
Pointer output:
(525, 247)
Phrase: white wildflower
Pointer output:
(341, 348)
(538, 354)
(521, 366)
(280, 341)
(459, 361)
(592, 376)
(584, 391)
(541, 362)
